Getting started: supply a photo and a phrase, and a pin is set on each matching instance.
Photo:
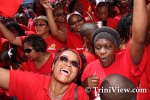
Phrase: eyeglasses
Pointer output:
(65, 59)
(39, 24)
(59, 14)
(78, 21)
(27, 50)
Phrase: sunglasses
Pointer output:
(27, 50)
(78, 21)
(39, 24)
(65, 59)
(59, 14)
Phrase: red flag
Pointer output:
(8, 8)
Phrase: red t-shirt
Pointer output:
(123, 65)
(89, 17)
(30, 86)
(29, 33)
(24, 27)
(119, 16)
(89, 56)
(52, 44)
(45, 69)
(31, 25)
(145, 80)
(2, 41)
(75, 41)
(112, 23)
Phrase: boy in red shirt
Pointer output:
(102, 12)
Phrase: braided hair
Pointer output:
(123, 27)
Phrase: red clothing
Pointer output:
(89, 56)
(112, 23)
(24, 27)
(122, 65)
(29, 33)
(119, 16)
(29, 86)
(31, 25)
(145, 80)
(52, 44)
(2, 41)
(45, 69)
(1, 35)
(75, 41)
(89, 16)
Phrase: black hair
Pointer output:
(5, 56)
(60, 7)
(37, 42)
(101, 4)
(34, 3)
(16, 26)
(71, 6)
(130, 4)
(123, 27)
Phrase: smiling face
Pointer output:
(66, 67)
(41, 27)
(105, 50)
(75, 22)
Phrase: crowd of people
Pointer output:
(73, 49)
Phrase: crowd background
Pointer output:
(32, 41)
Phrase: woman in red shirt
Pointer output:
(30, 86)
(129, 63)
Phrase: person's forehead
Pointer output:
(70, 54)
(75, 16)
(39, 20)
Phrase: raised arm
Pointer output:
(60, 36)
(9, 35)
(139, 30)
(4, 78)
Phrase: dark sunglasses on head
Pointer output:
(59, 14)
(65, 59)
(39, 24)
(27, 50)
(78, 21)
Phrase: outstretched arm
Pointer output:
(139, 30)
(9, 35)
(60, 36)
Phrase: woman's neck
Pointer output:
(61, 24)
(62, 27)
(45, 35)
(123, 11)
(90, 49)
(78, 33)
(57, 88)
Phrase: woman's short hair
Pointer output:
(37, 42)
